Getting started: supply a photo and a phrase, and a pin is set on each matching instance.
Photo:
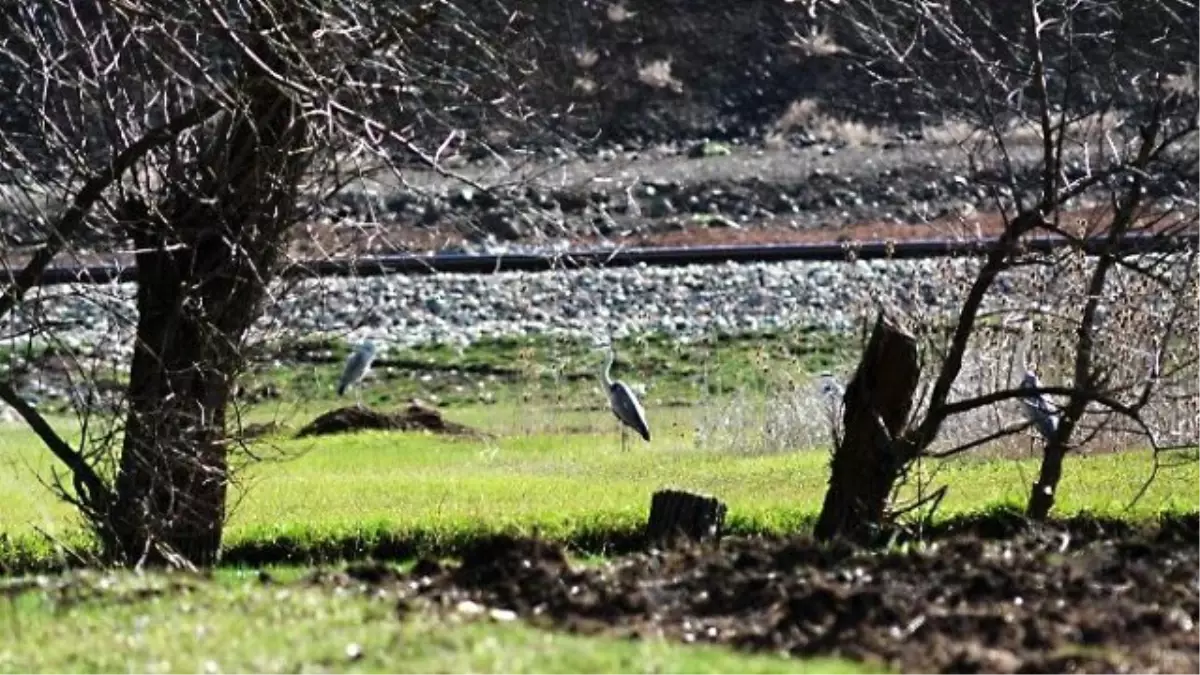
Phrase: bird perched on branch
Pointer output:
(624, 402)
(357, 366)
(1037, 407)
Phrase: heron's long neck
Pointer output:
(1022, 364)
(608, 364)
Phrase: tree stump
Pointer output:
(674, 513)
(868, 460)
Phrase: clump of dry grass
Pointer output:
(618, 13)
(586, 58)
(816, 42)
(584, 85)
(950, 130)
(758, 423)
(805, 115)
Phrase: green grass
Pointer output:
(560, 371)
(174, 623)
(554, 468)
(399, 494)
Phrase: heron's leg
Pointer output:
(624, 440)
(358, 396)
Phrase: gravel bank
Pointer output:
(400, 311)
(683, 302)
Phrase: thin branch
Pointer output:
(994, 436)
(98, 492)
(72, 221)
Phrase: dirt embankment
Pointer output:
(992, 596)
(810, 147)
(617, 97)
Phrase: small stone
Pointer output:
(468, 607)
(502, 614)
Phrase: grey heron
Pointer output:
(624, 402)
(1037, 407)
(831, 389)
(834, 394)
(357, 366)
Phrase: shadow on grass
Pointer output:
(20, 556)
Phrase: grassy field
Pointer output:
(377, 493)
(384, 493)
(552, 466)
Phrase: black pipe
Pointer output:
(667, 256)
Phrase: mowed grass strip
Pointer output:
(406, 493)
(159, 624)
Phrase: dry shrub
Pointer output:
(657, 74)
(818, 42)
(1033, 322)
(766, 422)
(586, 57)
(806, 115)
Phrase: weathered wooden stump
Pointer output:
(674, 513)
(867, 461)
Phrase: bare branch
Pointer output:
(97, 494)
(72, 220)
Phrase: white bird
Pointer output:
(632, 208)
(356, 367)
(1037, 407)
(624, 402)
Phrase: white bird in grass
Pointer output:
(624, 403)
(1037, 407)
(356, 367)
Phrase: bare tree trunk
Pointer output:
(867, 462)
(203, 265)
(172, 479)
(1041, 498)
(1087, 377)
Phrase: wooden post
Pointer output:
(868, 460)
(674, 513)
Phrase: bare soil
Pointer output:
(994, 594)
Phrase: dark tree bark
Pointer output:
(1041, 497)
(203, 265)
(871, 454)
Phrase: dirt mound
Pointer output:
(416, 417)
(257, 430)
(967, 602)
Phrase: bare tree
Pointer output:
(1082, 120)
(196, 135)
